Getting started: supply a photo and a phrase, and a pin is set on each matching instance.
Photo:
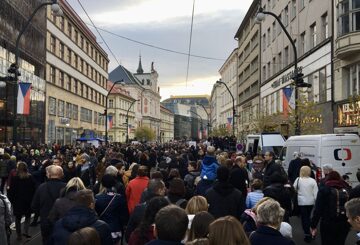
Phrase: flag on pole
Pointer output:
(228, 124)
(110, 122)
(23, 98)
(287, 100)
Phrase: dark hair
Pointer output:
(193, 164)
(257, 184)
(271, 153)
(223, 174)
(22, 170)
(200, 225)
(153, 207)
(154, 186)
(305, 162)
(171, 223)
(177, 187)
(142, 171)
(84, 236)
(85, 197)
(174, 173)
(157, 175)
(108, 181)
(333, 175)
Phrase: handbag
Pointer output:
(296, 208)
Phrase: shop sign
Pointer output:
(285, 78)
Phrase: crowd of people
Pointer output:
(169, 193)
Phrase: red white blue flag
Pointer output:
(288, 100)
(110, 122)
(229, 123)
(23, 98)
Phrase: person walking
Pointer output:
(306, 190)
(45, 197)
(294, 167)
(270, 168)
(135, 188)
(20, 193)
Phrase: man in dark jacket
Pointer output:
(294, 168)
(79, 217)
(271, 167)
(239, 177)
(223, 198)
(45, 197)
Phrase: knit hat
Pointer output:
(108, 181)
(223, 174)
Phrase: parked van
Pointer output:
(261, 143)
(341, 151)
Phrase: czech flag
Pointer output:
(229, 123)
(23, 98)
(287, 100)
(110, 122)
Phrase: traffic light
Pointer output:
(299, 81)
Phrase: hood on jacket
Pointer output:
(208, 160)
(223, 188)
(78, 217)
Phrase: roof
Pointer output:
(119, 90)
(163, 108)
(189, 96)
(233, 53)
(121, 73)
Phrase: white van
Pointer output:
(264, 142)
(342, 151)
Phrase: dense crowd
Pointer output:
(169, 194)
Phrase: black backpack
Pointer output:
(337, 203)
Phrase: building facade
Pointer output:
(120, 108)
(167, 125)
(143, 87)
(346, 66)
(248, 72)
(309, 24)
(76, 75)
(228, 73)
(32, 59)
(215, 106)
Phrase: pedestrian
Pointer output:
(257, 170)
(239, 176)
(86, 171)
(66, 201)
(3, 170)
(306, 190)
(145, 231)
(189, 179)
(80, 216)
(171, 223)
(195, 205)
(135, 188)
(209, 166)
(200, 226)
(326, 169)
(223, 198)
(5, 220)
(84, 236)
(269, 217)
(227, 230)
(330, 211)
(20, 193)
(176, 193)
(294, 167)
(353, 214)
(45, 197)
(256, 193)
(111, 207)
(271, 167)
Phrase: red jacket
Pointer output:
(134, 190)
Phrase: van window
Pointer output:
(275, 149)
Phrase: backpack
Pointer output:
(337, 203)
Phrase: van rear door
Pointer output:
(272, 142)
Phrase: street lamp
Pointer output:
(233, 107)
(208, 116)
(14, 68)
(297, 76)
(201, 121)
(106, 109)
(127, 121)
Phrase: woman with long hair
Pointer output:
(21, 192)
(227, 230)
(200, 226)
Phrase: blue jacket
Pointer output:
(116, 215)
(269, 236)
(77, 218)
(208, 168)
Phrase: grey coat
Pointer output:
(3, 215)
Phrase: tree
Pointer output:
(218, 131)
(145, 133)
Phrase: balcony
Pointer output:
(347, 45)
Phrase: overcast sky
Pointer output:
(166, 24)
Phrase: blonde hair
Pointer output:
(227, 230)
(196, 204)
(75, 183)
(305, 171)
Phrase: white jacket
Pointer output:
(307, 190)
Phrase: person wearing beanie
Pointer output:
(111, 207)
(223, 198)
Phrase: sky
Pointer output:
(166, 24)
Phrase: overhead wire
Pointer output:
(191, 28)
(112, 53)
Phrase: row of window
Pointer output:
(124, 105)
(65, 81)
(71, 111)
(75, 35)
(249, 70)
(282, 59)
(248, 92)
(348, 12)
(70, 57)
